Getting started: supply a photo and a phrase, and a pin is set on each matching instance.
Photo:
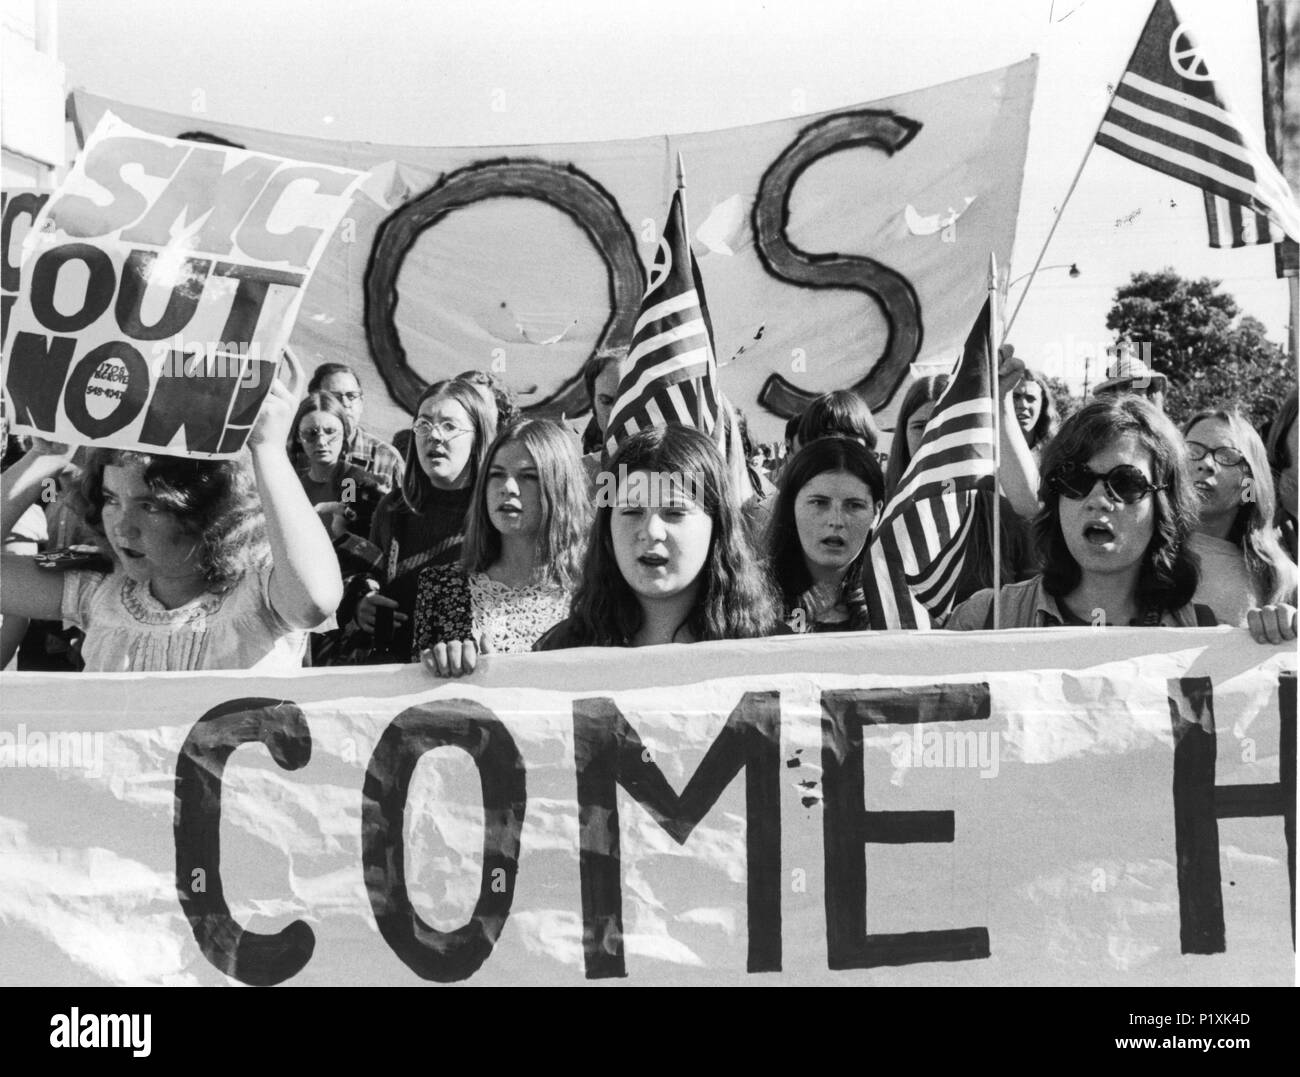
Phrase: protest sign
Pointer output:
(19, 208)
(159, 286)
(1061, 806)
(836, 248)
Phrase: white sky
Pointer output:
(430, 74)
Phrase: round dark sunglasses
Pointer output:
(1224, 455)
(1123, 482)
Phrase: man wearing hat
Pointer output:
(1129, 374)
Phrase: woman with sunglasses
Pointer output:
(667, 561)
(1112, 535)
(522, 555)
(1243, 564)
(424, 523)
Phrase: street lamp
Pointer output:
(1073, 267)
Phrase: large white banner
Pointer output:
(836, 248)
(1068, 806)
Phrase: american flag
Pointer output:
(1230, 225)
(919, 546)
(670, 374)
(1167, 115)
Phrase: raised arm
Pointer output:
(305, 585)
(1017, 473)
(24, 483)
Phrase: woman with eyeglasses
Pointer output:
(343, 494)
(524, 542)
(423, 524)
(1243, 564)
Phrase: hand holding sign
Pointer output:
(143, 225)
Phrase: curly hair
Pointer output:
(734, 600)
(1272, 572)
(214, 501)
(842, 412)
(786, 560)
(320, 400)
(502, 397)
(1048, 422)
(566, 503)
(1170, 571)
(416, 487)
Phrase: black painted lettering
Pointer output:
(134, 393)
(250, 296)
(608, 753)
(1196, 830)
(250, 957)
(181, 303)
(442, 956)
(38, 367)
(892, 292)
(562, 186)
(847, 825)
(99, 289)
(194, 401)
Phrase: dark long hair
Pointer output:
(734, 600)
(1170, 571)
(786, 560)
(215, 501)
(1047, 423)
(923, 391)
(842, 412)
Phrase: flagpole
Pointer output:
(1006, 329)
(995, 342)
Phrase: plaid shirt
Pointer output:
(377, 457)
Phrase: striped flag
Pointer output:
(1167, 115)
(670, 374)
(919, 546)
(1230, 225)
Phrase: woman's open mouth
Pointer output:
(833, 542)
(653, 560)
(1099, 534)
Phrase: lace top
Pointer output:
(130, 631)
(450, 606)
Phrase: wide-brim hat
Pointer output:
(1129, 368)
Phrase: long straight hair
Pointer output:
(566, 504)
(1272, 572)
(417, 490)
(733, 600)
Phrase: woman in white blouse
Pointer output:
(524, 543)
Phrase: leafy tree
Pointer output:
(1190, 332)
(1066, 402)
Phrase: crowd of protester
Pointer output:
(478, 530)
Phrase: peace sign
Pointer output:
(1186, 58)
